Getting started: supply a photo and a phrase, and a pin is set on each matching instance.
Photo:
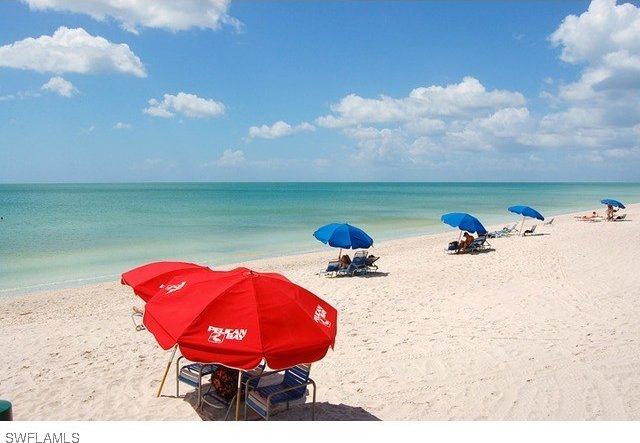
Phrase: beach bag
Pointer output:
(453, 246)
(225, 382)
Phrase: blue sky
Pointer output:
(319, 91)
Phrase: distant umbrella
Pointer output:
(612, 202)
(525, 211)
(343, 236)
(464, 222)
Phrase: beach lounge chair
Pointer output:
(357, 266)
(359, 263)
(192, 375)
(136, 317)
(504, 231)
(530, 231)
(212, 398)
(370, 261)
(293, 387)
(477, 244)
(332, 268)
(619, 217)
(549, 222)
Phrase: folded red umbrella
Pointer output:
(148, 279)
(240, 317)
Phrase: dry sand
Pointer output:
(545, 327)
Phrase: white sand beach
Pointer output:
(545, 327)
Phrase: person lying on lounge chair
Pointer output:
(592, 216)
(467, 239)
(345, 261)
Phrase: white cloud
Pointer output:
(278, 129)
(189, 105)
(601, 109)
(604, 28)
(463, 99)
(379, 145)
(166, 14)
(425, 126)
(121, 125)
(71, 50)
(430, 122)
(60, 86)
(507, 122)
(231, 158)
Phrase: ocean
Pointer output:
(63, 235)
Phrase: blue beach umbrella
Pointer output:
(464, 222)
(525, 211)
(612, 202)
(343, 236)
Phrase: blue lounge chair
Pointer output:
(504, 231)
(332, 268)
(478, 244)
(371, 263)
(293, 387)
(357, 266)
(192, 375)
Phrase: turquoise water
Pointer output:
(67, 234)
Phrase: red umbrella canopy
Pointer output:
(239, 317)
(148, 279)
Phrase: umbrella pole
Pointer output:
(340, 254)
(238, 394)
(173, 354)
(522, 226)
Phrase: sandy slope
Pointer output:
(544, 327)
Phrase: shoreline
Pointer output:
(532, 330)
(10, 293)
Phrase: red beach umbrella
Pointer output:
(239, 317)
(148, 279)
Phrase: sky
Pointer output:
(219, 90)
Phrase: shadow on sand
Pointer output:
(298, 411)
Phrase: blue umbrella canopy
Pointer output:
(612, 202)
(526, 211)
(343, 235)
(464, 222)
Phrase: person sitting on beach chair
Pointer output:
(467, 239)
(345, 261)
